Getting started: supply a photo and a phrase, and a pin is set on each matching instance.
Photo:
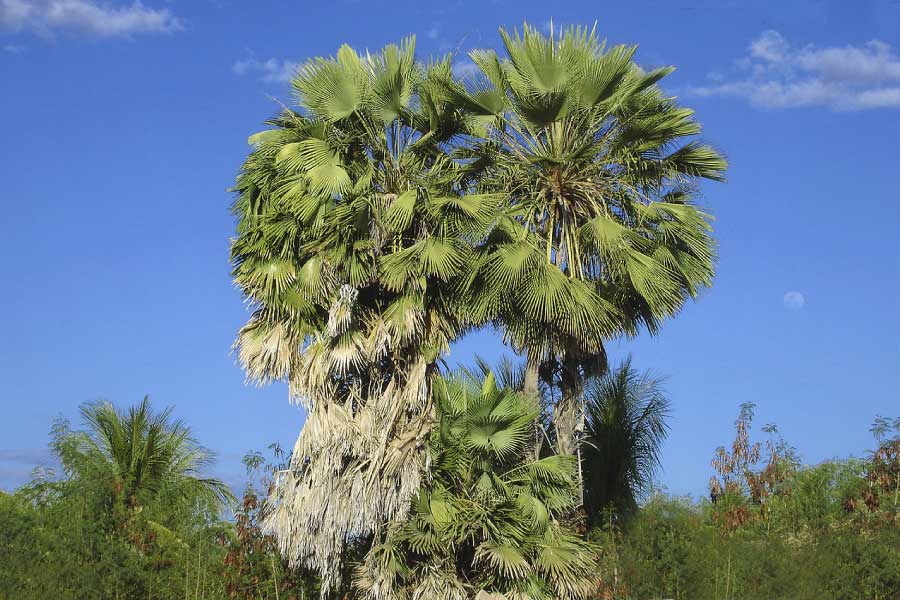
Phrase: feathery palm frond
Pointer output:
(625, 428)
(146, 457)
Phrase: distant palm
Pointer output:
(144, 456)
(625, 427)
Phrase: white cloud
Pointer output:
(85, 16)
(794, 300)
(770, 46)
(273, 70)
(465, 68)
(13, 49)
(779, 74)
(433, 32)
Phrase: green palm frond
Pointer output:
(625, 428)
(600, 234)
(487, 522)
(552, 195)
(145, 457)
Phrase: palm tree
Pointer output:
(145, 458)
(487, 522)
(364, 252)
(625, 427)
(355, 229)
(601, 235)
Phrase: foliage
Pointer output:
(488, 520)
(476, 529)
(600, 233)
(132, 518)
(675, 549)
(881, 492)
(253, 569)
(354, 233)
(144, 457)
(625, 427)
(773, 529)
(742, 489)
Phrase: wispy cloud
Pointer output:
(779, 74)
(465, 68)
(86, 16)
(273, 70)
(13, 49)
(26, 456)
(17, 465)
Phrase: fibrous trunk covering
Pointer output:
(362, 452)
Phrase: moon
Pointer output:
(794, 300)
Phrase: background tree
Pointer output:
(132, 516)
(253, 568)
(145, 458)
(625, 427)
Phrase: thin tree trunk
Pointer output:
(197, 593)
(274, 576)
(565, 420)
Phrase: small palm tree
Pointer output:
(624, 429)
(145, 457)
(487, 523)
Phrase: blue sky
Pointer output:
(124, 124)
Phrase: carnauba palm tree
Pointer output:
(355, 229)
(600, 234)
(364, 251)
(485, 525)
(144, 457)
(626, 412)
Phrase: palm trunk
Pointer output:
(565, 420)
(531, 381)
(568, 415)
(531, 388)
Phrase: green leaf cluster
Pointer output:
(488, 521)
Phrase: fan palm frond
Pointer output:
(486, 523)
(355, 230)
(600, 234)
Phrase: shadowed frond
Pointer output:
(625, 429)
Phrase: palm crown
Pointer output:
(398, 207)
(146, 457)
(600, 235)
(625, 428)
